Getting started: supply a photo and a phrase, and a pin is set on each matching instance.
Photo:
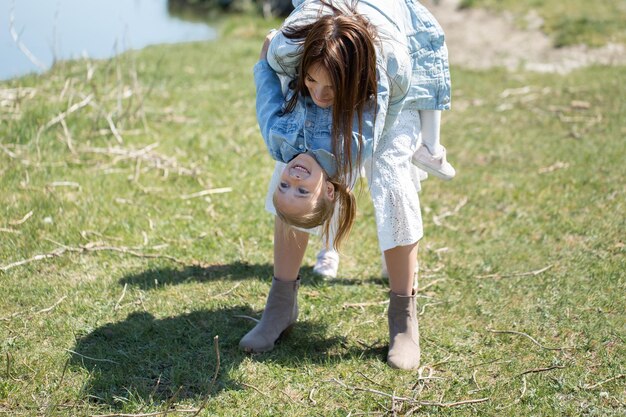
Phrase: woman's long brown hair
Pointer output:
(343, 43)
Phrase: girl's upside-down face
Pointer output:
(302, 183)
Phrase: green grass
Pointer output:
(569, 22)
(540, 187)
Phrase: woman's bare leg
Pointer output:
(289, 248)
(401, 265)
(404, 344)
(281, 308)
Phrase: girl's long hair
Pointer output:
(322, 213)
(344, 44)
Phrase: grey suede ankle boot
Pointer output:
(281, 311)
(404, 344)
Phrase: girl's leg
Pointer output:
(431, 126)
(431, 156)
(281, 308)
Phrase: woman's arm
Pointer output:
(266, 44)
(283, 54)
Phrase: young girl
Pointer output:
(297, 132)
(410, 67)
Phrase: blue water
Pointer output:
(66, 29)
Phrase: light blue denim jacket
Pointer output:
(306, 129)
(412, 60)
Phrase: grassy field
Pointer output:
(568, 22)
(134, 249)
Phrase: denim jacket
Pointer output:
(306, 129)
(412, 59)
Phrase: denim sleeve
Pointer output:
(269, 106)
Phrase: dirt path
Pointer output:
(480, 39)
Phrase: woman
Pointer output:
(412, 74)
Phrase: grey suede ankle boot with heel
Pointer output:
(281, 312)
(404, 344)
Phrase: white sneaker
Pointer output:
(327, 263)
(433, 164)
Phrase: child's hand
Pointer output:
(266, 44)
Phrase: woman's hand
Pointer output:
(266, 44)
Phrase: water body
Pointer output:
(69, 29)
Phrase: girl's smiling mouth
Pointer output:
(299, 167)
(299, 171)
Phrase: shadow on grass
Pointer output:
(155, 278)
(152, 361)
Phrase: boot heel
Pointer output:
(287, 331)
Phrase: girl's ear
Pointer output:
(330, 191)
